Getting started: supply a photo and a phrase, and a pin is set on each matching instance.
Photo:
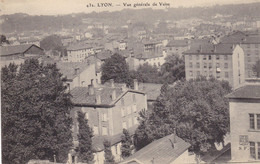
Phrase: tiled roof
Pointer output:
(68, 68)
(177, 43)
(242, 38)
(246, 92)
(163, 150)
(152, 90)
(78, 46)
(148, 55)
(210, 49)
(97, 141)
(80, 95)
(17, 49)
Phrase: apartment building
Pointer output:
(109, 108)
(250, 43)
(244, 107)
(222, 61)
(79, 52)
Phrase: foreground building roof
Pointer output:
(16, 49)
(246, 92)
(163, 150)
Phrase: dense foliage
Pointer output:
(116, 68)
(52, 42)
(127, 144)
(85, 135)
(35, 113)
(109, 158)
(197, 109)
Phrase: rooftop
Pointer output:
(68, 68)
(16, 49)
(83, 96)
(78, 46)
(246, 92)
(177, 43)
(210, 49)
(163, 150)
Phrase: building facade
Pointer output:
(78, 53)
(109, 108)
(224, 62)
(244, 107)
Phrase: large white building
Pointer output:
(79, 52)
(244, 107)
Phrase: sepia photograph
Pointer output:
(130, 82)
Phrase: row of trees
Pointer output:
(116, 68)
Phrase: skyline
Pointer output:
(48, 7)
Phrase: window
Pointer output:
(226, 57)
(191, 73)
(190, 64)
(129, 110)
(134, 108)
(248, 46)
(130, 123)
(205, 73)
(124, 125)
(104, 130)
(210, 65)
(252, 121)
(198, 73)
(226, 65)
(122, 102)
(204, 57)
(104, 117)
(209, 57)
(248, 54)
(95, 130)
(217, 65)
(217, 57)
(226, 74)
(205, 65)
(252, 150)
(198, 65)
(134, 98)
(123, 112)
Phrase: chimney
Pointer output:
(98, 97)
(135, 84)
(112, 83)
(113, 96)
(124, 88)
(91, 89)
(76, 71)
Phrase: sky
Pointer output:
(60, 7)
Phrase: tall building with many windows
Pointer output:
(244, 107)
(222, 61)
(251, 46)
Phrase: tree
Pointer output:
(109, 158)
(116, 68)
(256, 68)
(52, 42)
(147, 74)
(173, 69)
(85, 139)
(196, 108)
(35, 113)
(126, 147)
(3, 40)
